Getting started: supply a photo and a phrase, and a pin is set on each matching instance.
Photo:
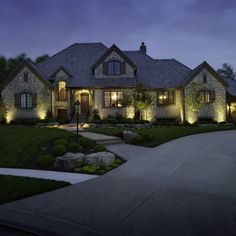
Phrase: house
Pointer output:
(99, 77)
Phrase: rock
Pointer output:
(100, 159)
(128, 136)
(69, 161)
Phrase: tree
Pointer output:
(127, 101)
(227, 71)
(41, 58)
(142, 100)
(193, 98)
(3, 66)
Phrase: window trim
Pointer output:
(211, 96)
(168, 103)
(110, 91)
(114, 68)
(26, 101)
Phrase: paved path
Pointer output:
(184, 187)
(72, 178)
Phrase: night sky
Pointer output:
(188, 30)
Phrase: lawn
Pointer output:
(155, 136)
(20, 144)
(14, 188)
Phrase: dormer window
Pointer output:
(62, 91)
(114, 68)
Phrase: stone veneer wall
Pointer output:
(154, 111)
(114, 56)
(33, 85)
(216, 109)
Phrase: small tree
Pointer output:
(193, 99)
(142, 100)
(3, 111)
(127, 101)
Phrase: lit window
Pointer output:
(114, 68)
(62, 91)
(26, 100)
(165, 97)
(207, 96)
(113, 99)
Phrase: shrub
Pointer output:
(90, 169)
(75, 147)
(96, 116)
(114, 165)
(118, 161)
(136, 140)
(100, 148)
(85, 142)
(63, 142)
(58, 150)
(45, 160)
(3, 111)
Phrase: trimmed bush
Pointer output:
(100, 148)
(136, 140)
(85, 142)
(45, 160)
(75, 147)
(63, 142)
(118, 161)
(58, 150)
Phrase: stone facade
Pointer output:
(129, 71)
(32, 85)
(215, 110)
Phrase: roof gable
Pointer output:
(199, 68)
(32, 68)
(114, 48)
(61, 68)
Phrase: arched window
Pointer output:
(114, 68)
(62, 91)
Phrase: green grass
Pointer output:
(156, 136)
(19, 144)
(14, 188)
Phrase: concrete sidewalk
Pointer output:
(183, 187)
(72, 178)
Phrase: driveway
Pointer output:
(184, 187)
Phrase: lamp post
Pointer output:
(77, 104)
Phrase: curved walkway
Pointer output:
(72, 178)
(183, 187)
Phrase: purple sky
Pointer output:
(189, 30)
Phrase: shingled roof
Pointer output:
(78, 60)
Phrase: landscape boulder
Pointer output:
(100, 159)
(129, 136)
(69, 161)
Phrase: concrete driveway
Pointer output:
(184, 187)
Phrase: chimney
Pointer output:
(143, 48)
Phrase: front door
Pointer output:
(84, 102)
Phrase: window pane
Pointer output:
(120, 99)
(171, 97)
(110, 68)
(62, 90)
(29, 100)
(114, 99)
(117, 68)
(107, 100)
(165, 97)
(207, 96)
(23, 100)
(160, 98)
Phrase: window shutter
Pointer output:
(34, 100)
(105, 68)
(123, 68)
(212, 96)
(17, 100)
